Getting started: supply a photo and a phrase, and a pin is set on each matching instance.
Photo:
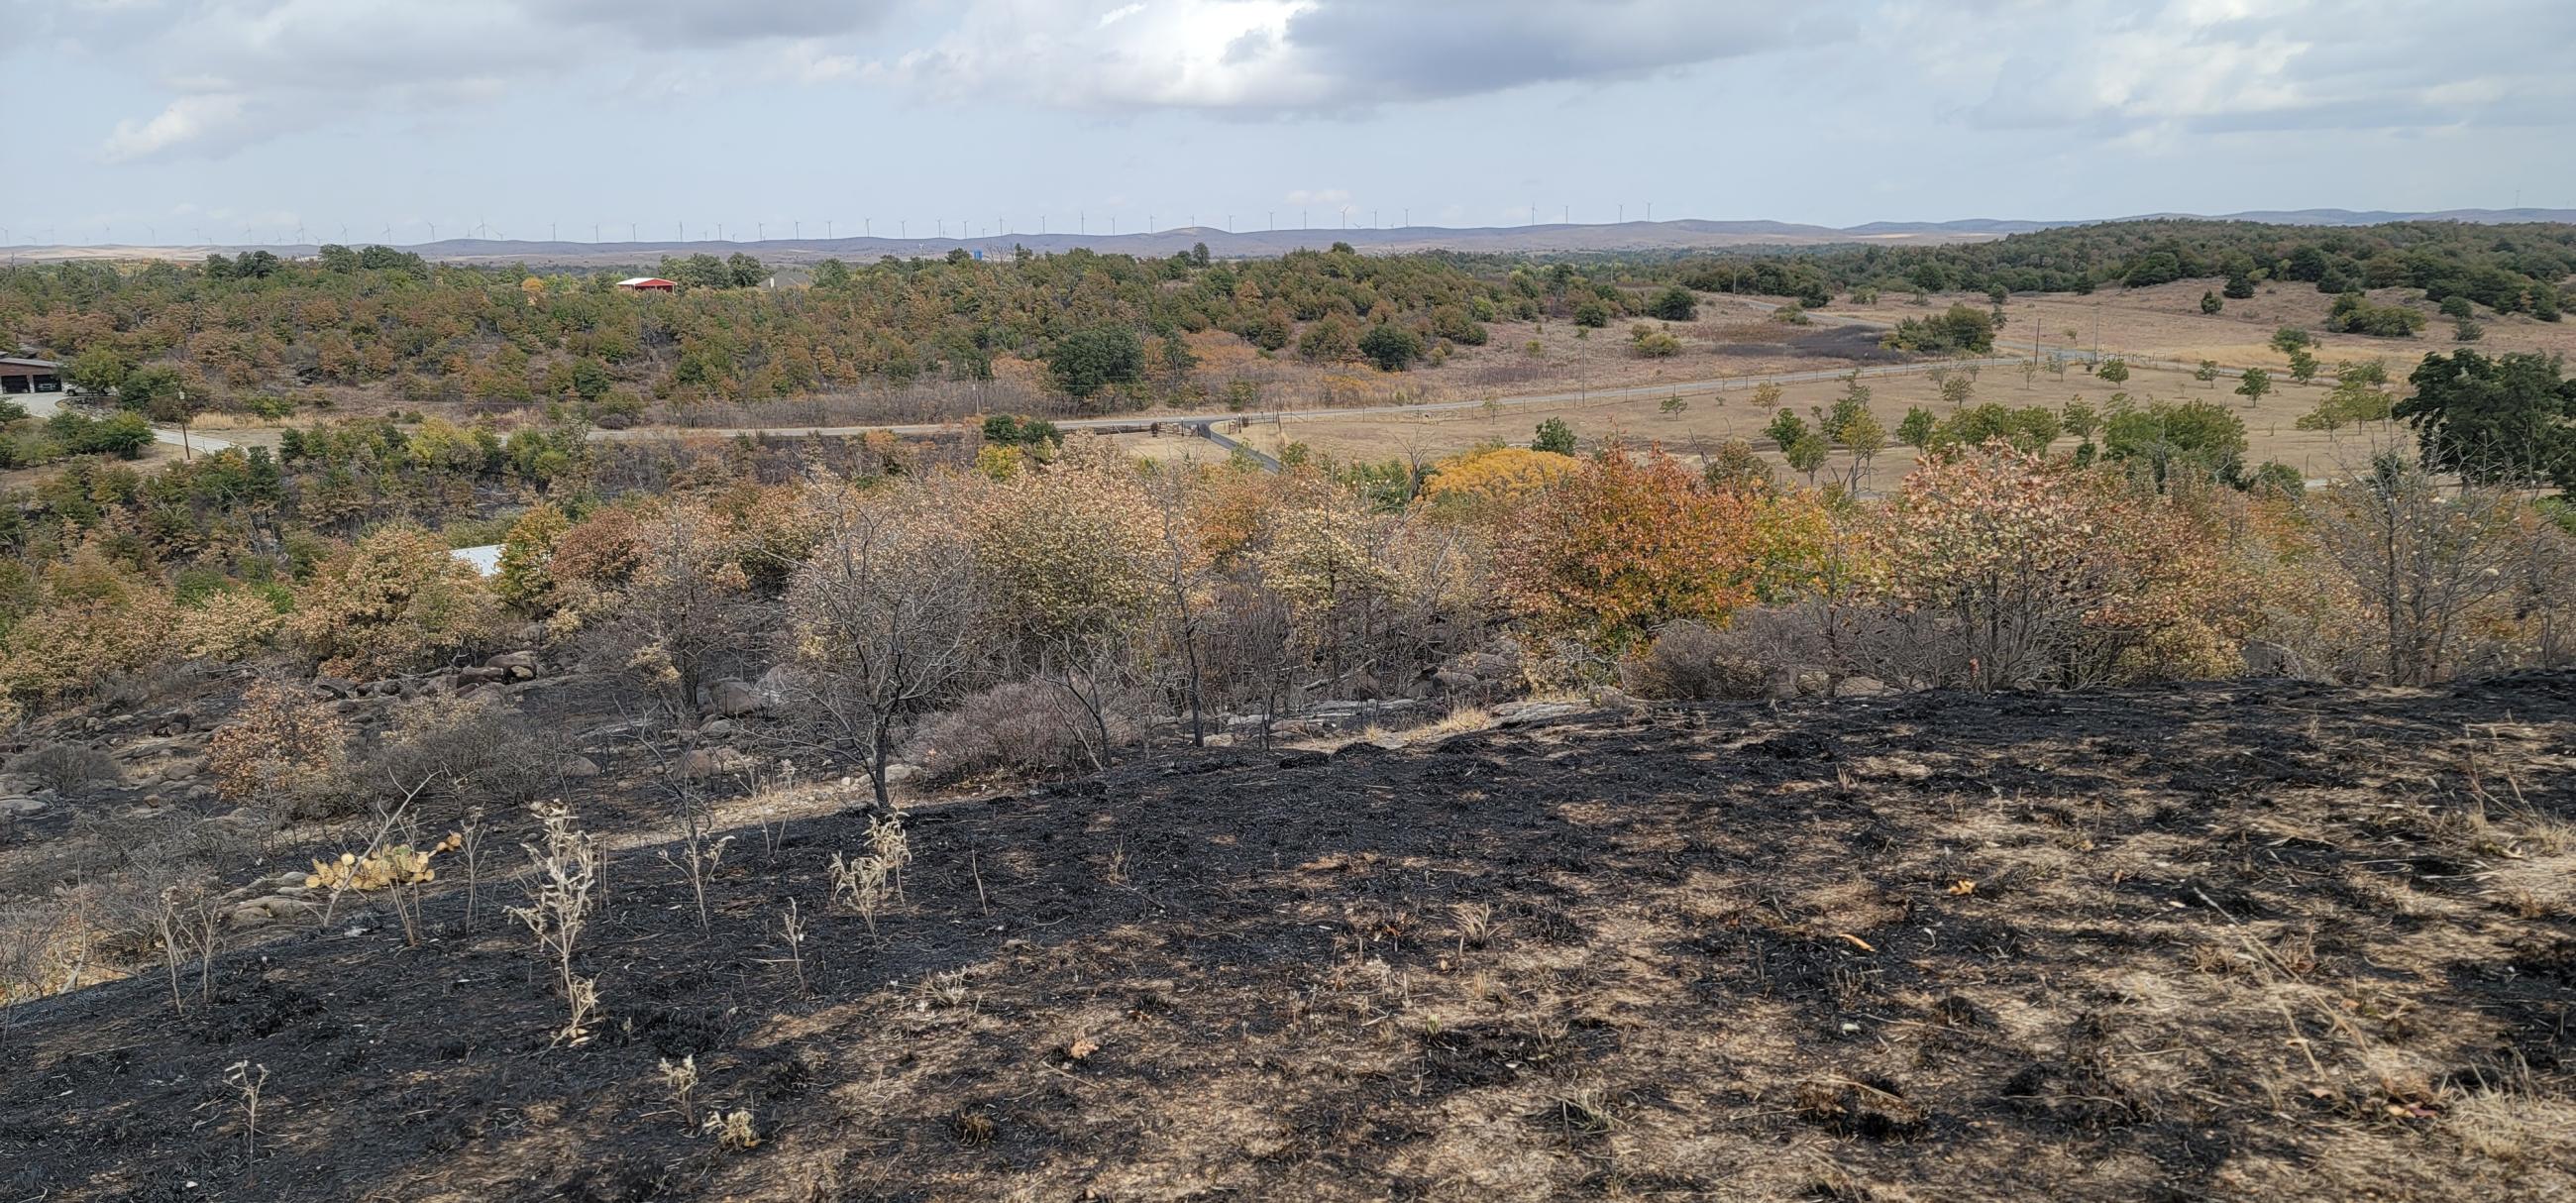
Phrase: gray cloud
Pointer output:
(1392, 52)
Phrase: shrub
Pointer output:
(281, 744)
(70, 768)
(1654, 344)
(1688, 662)
(397, 600)
(1023, 727)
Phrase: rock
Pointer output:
(514, 660)
(1450, 681)
(577, 766)
(730, 697)
(480, 675)
(718, 728)
(707, 762)
(2264, 658)
(335, 687)
(20, 806)
(777, 684)
(259, 911)
(897, 774)
(1861, 687)
(387, 688)
(1521, 714)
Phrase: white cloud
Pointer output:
(188, 120)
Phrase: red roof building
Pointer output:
(648, 284)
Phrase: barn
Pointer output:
(648, 284)
(30, 375)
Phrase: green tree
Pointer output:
(1806, 454)
(2290, 338)
(2240, 285)
(2253, 385)
(1675, 304)
(2167, 434)
(1391, 347)
(2510, 418)
(1554, 436)
(1087, 361)
(2303, 365)
(2209, 303)
(2207, 372)
(1591, 313)
(2114, 370)
(1916, 429)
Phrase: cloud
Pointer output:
(189, 119)
(2181, 67)
(246, 69)
(1327, 55)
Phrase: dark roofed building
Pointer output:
(30, 375)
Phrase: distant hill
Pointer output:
(1537, 238)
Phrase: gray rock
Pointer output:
(511, 660)
(2264, 658)
(731, 698)
(707, 762)
(777, 684)
(578, 766)
(481, 675)
(335, 687)
(897, 774)
(1521, 714)
(21, 806)
(1861, 687)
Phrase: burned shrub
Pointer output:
(1029, 727)
(69, 768)
(1689, 662)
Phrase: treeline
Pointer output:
(2508, 268)
(258, 332)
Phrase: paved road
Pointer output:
(46, 405)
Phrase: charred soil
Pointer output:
(2222, 941)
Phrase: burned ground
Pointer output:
(2228, 941)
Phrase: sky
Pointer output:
(185, 121)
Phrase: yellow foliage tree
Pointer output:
(393, 601)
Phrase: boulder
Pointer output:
(708, 762)
(513, 660)
(897, 774)
(1861, 687)
(334, 687)
(577, 766)
(777, 684)
(20, 806)
(481, 675)
(730, 698)
(2264, 658)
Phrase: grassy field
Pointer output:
(1712, 416)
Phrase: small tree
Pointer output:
(1766, 396)
(2114, 370)
(1675, 304)
(2209, 303)
(1391, 347)
(1916, 429)
(881, 618)
(1554, 436)
(2253, 385)
(2303, 365)
(2206, 373)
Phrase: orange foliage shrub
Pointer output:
(1631, 542)
(281, 742)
